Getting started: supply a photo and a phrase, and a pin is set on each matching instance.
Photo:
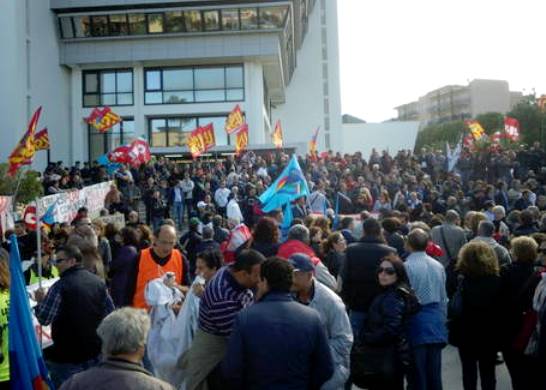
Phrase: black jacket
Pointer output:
(265, 248)
(360, 285)
(478, 325)
(83, 306)
(334, 261)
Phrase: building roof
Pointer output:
(346, 118)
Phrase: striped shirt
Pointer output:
(223, 299)
(427, 278)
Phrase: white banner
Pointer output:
(68, 203)
(43, 333)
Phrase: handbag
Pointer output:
(454, 313)
(371, 364)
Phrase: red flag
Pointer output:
(277, 135)
(41, 140)
(511, 128)
(234, 121)
(201, 140)
(139, 152)
(241, 140)
(119, 155)
(103, 119)
(25, 149)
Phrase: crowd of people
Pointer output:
(204, 290)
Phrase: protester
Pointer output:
(74, 306)
(427, 329)
(155, 261)
(384, 329)
(227, 293)
(474, 328)
(332, 313)
(123, 334)
(486, 230)
(4, 318)
(265, 237)
(190, 241)
(359, 284)
(450, 237)
(333, 249)
(123, 268)
(277, 343)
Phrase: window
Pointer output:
(272, 17)
(101, 143)
(230, 20)
(195, 84)
(99, 26)
(155, 23)
(249, 18)
(137, 24)
(193, 21)
(174, 22)
(82, 26)
(118, 24)
(212, 20)
(107, 88)
(174, 131)
(66, 27)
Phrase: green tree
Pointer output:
(491, 122)
(30, 186)
(436, 136)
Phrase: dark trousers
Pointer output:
(188, 205)
(426, 370)
(471, 361)
(524, 370)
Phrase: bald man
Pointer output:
(156, 261)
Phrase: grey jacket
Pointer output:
(452, 241)
(115, 374)
(502, 253)
(333, 316)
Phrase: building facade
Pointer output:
(454, 102)
(167, 67)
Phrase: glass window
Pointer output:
(124, 99)
(108, 99)
(177, 79)
(137, 24)
(272, 17)
(153, 80)
(128, 133)
(120, 134)
(83, 26)
(177, 97)
(234, 77)
(234, 95)
(209, 78)
(155, 23)
(230, 19)
(118, 24)
(66, 27)
(174, 21)
(99, 26)
(96, 146)
(210, 95)
(176, 136)
(124, 81)
(193, 21)
(212, 20)
(153, 98)
(249, 18)
(91, 82)
(158, 132)
(108, 82)
(91, 100)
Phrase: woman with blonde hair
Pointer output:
(474, 314)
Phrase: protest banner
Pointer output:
(43, 333)
(117, 219)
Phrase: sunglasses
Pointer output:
(388, 270)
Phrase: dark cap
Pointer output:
(301, 262)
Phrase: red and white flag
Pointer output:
(511, 128)
(139, 152)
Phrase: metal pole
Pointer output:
(39, 241)
(19, 177)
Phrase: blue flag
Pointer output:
(27, 366)
(289, 186)
(49, 216)
(110, 166)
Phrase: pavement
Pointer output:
(452, 373)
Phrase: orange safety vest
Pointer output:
(149, 270)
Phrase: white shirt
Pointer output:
(221, 196)
(234, 211)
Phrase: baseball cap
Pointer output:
(301, 262)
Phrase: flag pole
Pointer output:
(39, 252)
(17, 186)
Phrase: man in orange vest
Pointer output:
(156, 261)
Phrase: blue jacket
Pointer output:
(278, 343)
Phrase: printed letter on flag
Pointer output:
(25, 149)
(201, 140)
(234, 121)
(103, 119)
(511, 128)
(475, 129)
(241, 140)
(41, 140)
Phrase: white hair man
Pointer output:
(123, 334)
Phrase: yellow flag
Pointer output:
(277, 135)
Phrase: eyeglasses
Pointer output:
(388, 270)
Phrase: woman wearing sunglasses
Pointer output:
(383, 346)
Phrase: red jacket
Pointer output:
(295, 246)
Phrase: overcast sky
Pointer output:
(393, 51)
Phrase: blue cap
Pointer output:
(301, 262)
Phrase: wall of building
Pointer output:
(489, 96)
(306, 105)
